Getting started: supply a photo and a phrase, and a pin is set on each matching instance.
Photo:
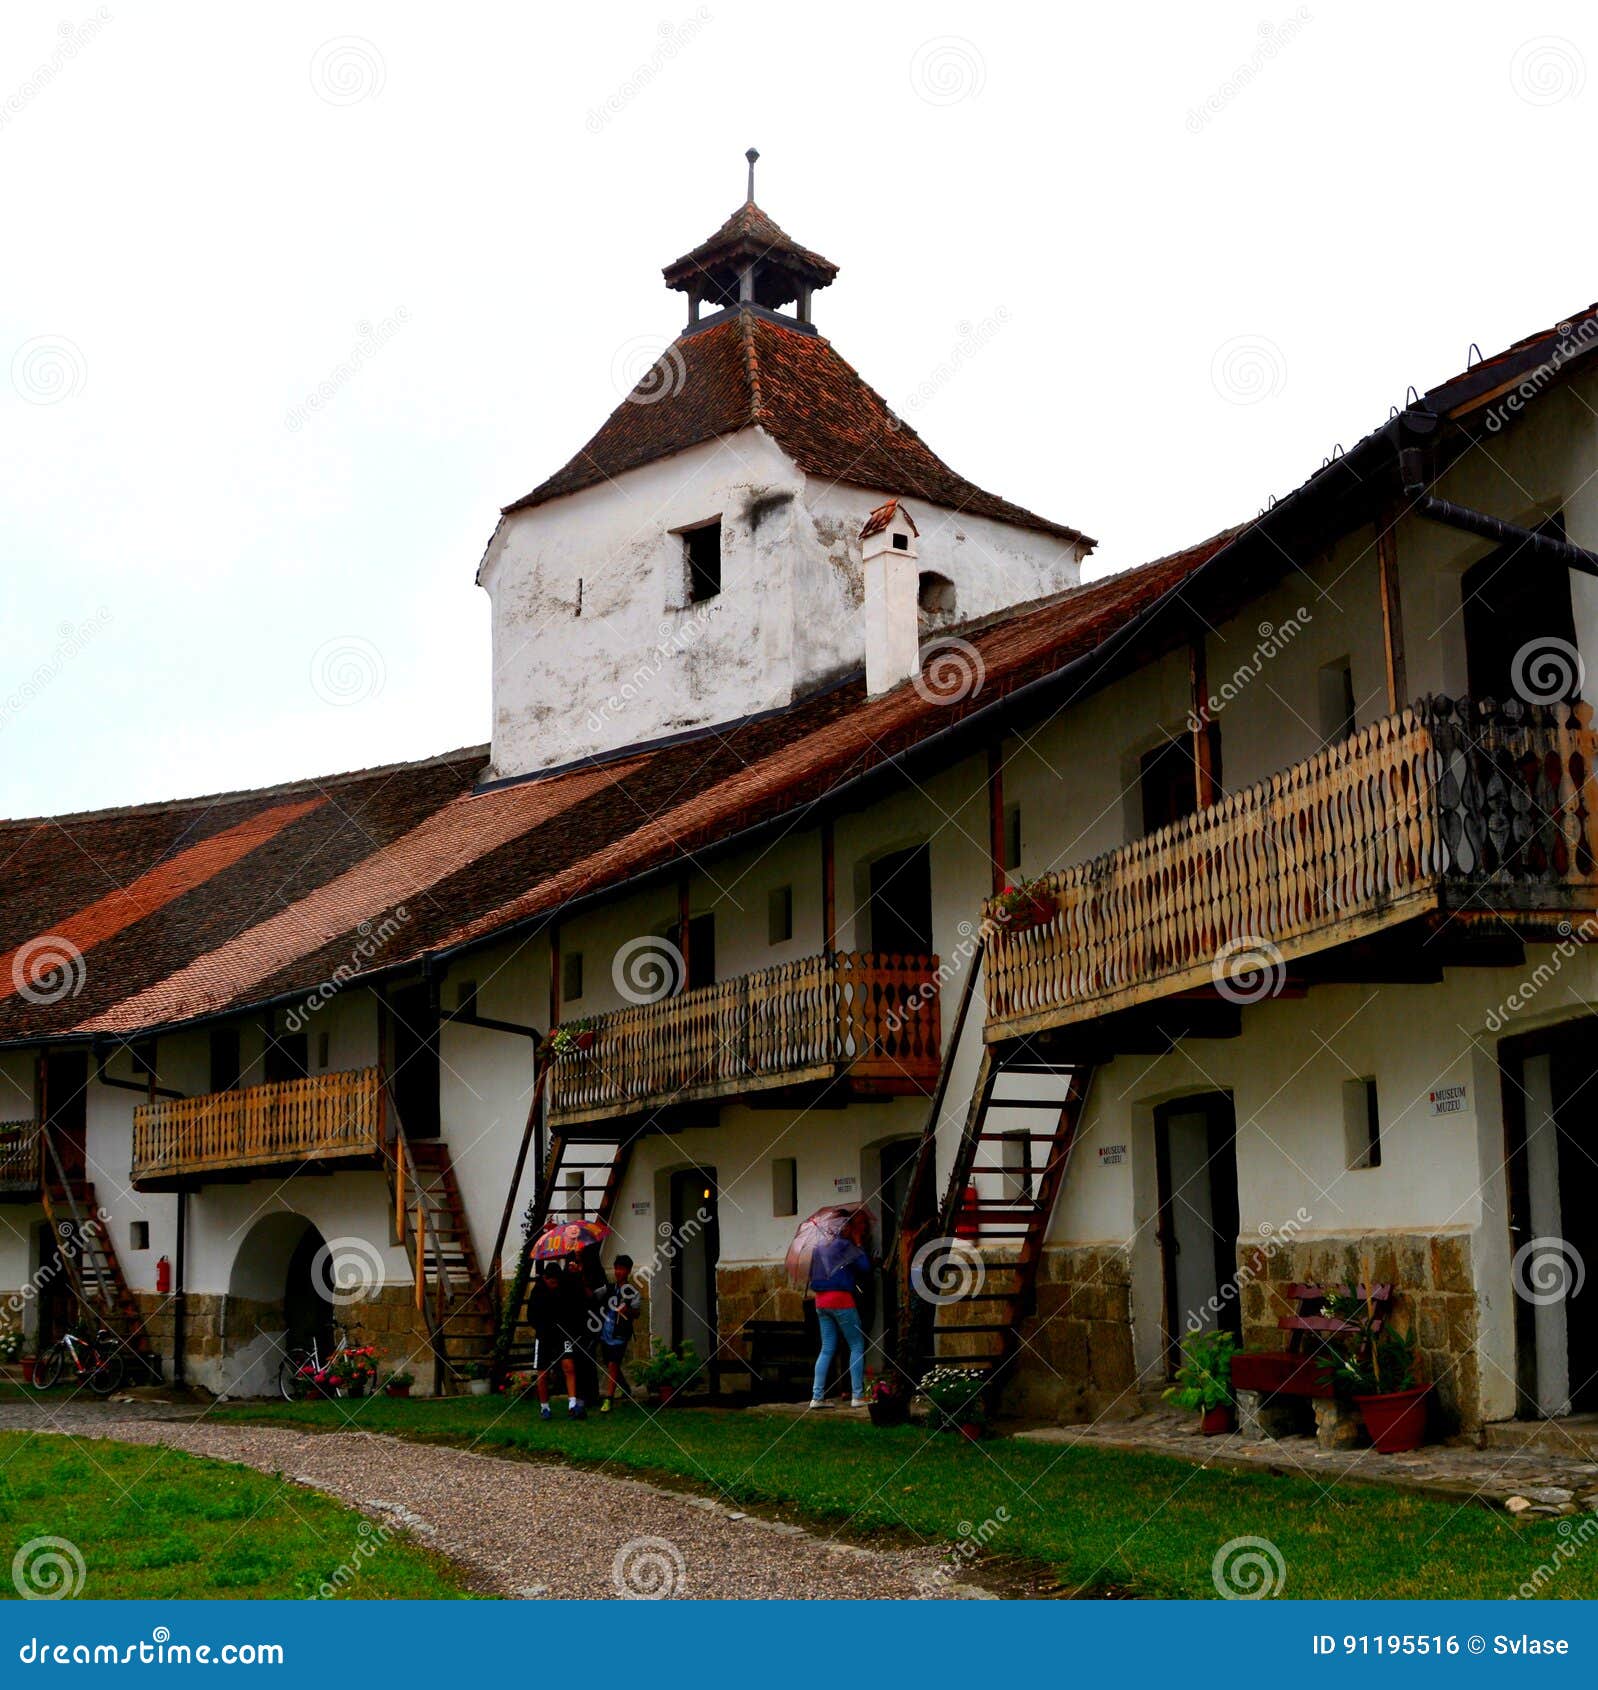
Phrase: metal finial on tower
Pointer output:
(752, 155)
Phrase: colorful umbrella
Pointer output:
(571, 1239)
(838, 1220)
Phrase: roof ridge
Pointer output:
(757, 403)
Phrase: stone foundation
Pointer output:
(1075, 1360)
(1434, 1300)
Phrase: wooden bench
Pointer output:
(1303, 1368)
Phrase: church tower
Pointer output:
(700, 560)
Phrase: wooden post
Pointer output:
(1392, 616)
(996, 813)
(829, 890)
(1199, 716)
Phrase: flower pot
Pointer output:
(1396, 1420)
(396, 1390)
(1215, 1421)
(585, 1041)
(889, 1411)
(1032, 912)
(971, 1431)
(28, 1365)
(664, 1394)
(477, 1387)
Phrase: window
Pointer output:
(466, 997)
(1520, 630)
(1362, 1127)
(700, 950)
(702, 549)
(1169, 784)
(1336, 699)
(143, 1060)
(139, 1235)
(899, 903)
(935, 594)
(225, 1065)
(1012, 837)
(571, 976)
(785, 1186)
(779, 915)
(321, 1050)
(901, 542)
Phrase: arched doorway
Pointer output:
(272, 1301)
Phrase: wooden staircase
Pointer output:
(452, 1292)
(89, 1258)
(581, 1178)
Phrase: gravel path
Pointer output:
(533, 1529)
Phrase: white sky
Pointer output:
(195, 236)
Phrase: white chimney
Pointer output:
(892, 580)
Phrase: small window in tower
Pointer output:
(935, 594)
(702, 550)
(901, 542)
(779, 915)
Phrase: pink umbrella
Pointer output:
(837, 1220)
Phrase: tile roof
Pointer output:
(882, 516)
(747, 370)
(749, 234)
(191, 909)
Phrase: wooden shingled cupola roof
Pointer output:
(749, 260)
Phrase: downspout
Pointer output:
(180, 1371)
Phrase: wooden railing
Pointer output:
(1453, 804)
(19, 1156)
(872, 1017)
(319, 1118)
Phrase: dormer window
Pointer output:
(702, 557)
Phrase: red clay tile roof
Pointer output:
(191, 909)
(749, 234)
(882, 516)
(748, 371)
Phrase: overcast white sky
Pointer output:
(1194, 283)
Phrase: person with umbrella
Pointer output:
(828, 1257)
(558, 1307)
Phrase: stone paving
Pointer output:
(1532, 1480)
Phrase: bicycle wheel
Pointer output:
(292, 1385)
(109, 1374)
(48, 1372)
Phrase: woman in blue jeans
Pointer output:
(835, 1270)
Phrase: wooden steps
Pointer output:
(581, 1178)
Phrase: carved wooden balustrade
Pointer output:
(324, 1117)
(871, 1018)
(19, 1159)
(1454, 804)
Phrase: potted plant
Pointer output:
(1024, 904)
(518, 1384)
(477, 1379)
(351, 1372)
(1383, 1379)
(889, 1403)
(29, 1363)
(573, 1036)
(1204, 1381)
(956, 1397)
(398, 1384)
(667, 1371)
(10, 1345)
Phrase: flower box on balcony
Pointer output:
(1025, 906)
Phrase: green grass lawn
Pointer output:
(152, 1522)
(1105, 1521)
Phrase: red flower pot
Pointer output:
(1218, 1420)
(1396, 1420)
(971, 1431)
(396, 1390)
(28, 1365)
(1031, 912)
(665, 1393)
(585, 1039)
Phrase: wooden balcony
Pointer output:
(19, 1161)
(1451, 809)
(323, 1121)
(840, 1025)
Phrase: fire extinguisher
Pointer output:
(163, 1275)
(968, 1223)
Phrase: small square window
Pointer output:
(571, 976)
(901, 542)
(785, 1186)
(1362, 1125)
(139, 1235)
(702, 549)
(779, 915)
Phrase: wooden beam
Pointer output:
(685, 930)
(829, 890)
(1392, 615)
(1204, 784)
(996, 813)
